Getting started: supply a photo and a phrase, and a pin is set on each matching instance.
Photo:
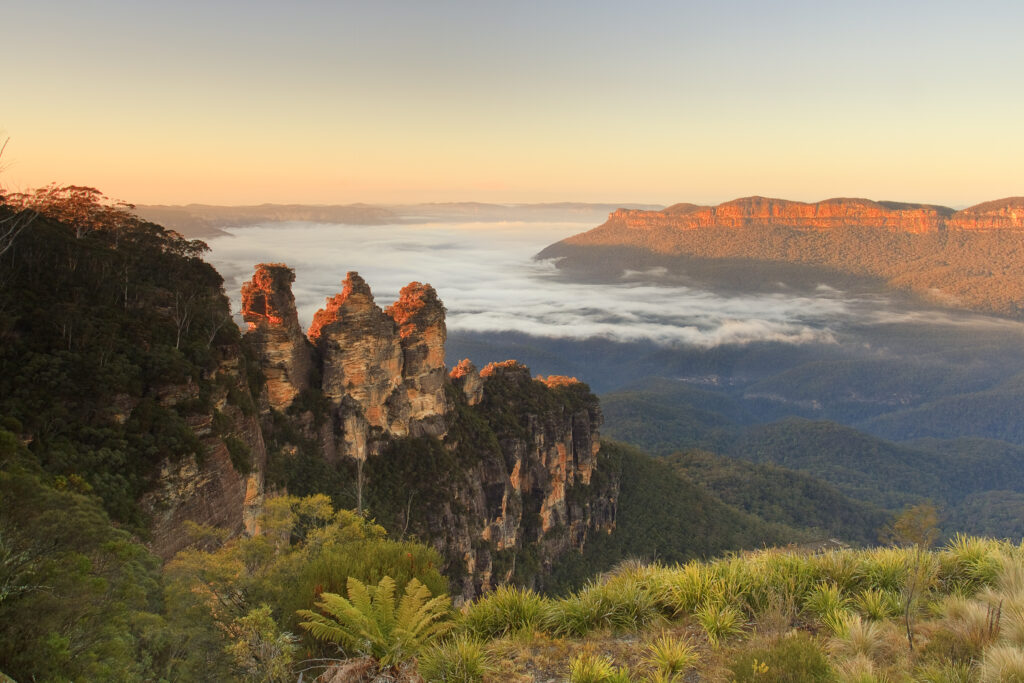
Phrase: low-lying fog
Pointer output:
(488, 280)
(610, 330)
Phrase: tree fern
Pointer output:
(367, 622)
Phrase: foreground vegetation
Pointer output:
(893, 614)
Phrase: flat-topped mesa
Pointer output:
(1001, 214)
(830, 214)
(285, 354)
(361, 362)
(419, 314)
(825, 215)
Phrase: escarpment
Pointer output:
(830, 214)
(963, 259)
(496, 469)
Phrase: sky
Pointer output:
(238, 102)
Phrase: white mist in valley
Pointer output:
(486, 275)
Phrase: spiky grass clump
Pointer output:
(506, 611)
(840, 567)
(589, 668)
(971, 563)
(826, 601)
(622, 604)
(1002, 664)
(877, 604)
(683, 588)
(461, 659)
(670, 656)
(719, 621)
(885, 568)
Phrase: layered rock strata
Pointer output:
(830, 214)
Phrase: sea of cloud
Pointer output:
(486, 275)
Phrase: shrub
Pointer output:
(795, 657)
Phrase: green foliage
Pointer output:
(670, 656)
(305, 549)
(780, 495)
(719, 621)
(588, 668)
(260, 650)
(111, 328)
(622, 605)
(368, 623)
(878, 604)
(460, 659)
(77, 596)
(794, 658)
(506, 610)
(241, 455)
(826, 601)
(687, 523)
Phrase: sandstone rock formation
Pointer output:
(285, 355)
(466, 378)
(503, 463)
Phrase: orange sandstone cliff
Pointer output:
(1003, 214)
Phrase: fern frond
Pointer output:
(360, 596)
(384, 605)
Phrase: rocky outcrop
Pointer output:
(285, 355)
(419, 314)
(383, 370)
(830, 214)
(225, 488)
(361, 365)
(466, 378)
(494, 468)
(553, 451)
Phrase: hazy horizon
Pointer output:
(238, 103)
